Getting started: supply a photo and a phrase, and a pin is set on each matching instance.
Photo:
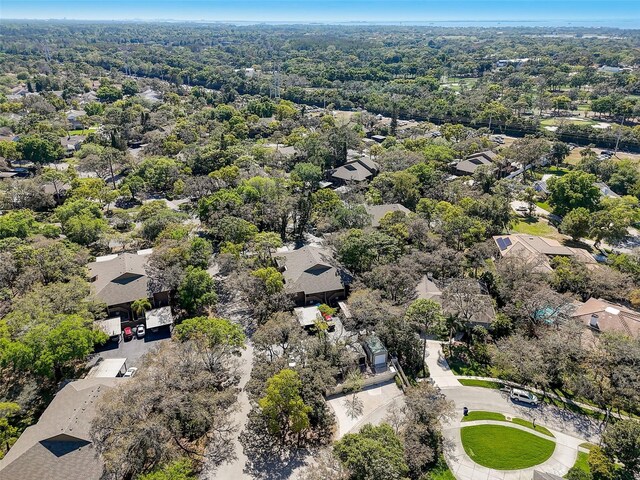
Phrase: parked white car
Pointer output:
(131, 372)
(523, 396)
(140, 331)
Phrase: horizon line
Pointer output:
(334, 22)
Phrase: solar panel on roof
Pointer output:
(501, 245)
(507, 242)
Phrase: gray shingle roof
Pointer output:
(309, 270)
(356, 171)
(59, 447)
(122, 279)
(470, 165)
(379, 211)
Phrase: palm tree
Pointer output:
(452, 323)
(140, 306)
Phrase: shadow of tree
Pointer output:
(268, 459)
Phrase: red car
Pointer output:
(128, 334)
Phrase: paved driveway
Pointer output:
(133, 349)
(377, 401)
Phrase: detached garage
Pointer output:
(376, 353)
(159, 317)
(109, 368)
(110, 326)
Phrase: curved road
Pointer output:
(569, 429)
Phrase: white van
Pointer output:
(524, 397)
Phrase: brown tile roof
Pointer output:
(59, 447)
(603, 316)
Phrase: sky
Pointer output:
(622, 13)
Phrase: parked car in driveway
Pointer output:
(140, 331)
(131, 372)
(128, 333)
(523, 396)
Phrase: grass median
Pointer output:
(505, 448)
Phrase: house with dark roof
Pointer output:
(120, 280)
(311, 277)
(469, 165)
(377, 212)
(602, 316)
(59, 446)
(354, 171)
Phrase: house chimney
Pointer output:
(593, 322)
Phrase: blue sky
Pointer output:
(604, 11)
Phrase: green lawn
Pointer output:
(552, 122)
(459, 367)
(505, 448)
(582, 463)
(587, 445)
(545, 206)
(441, 472)
(534, 228)
(498, 417)
(555, 170)
(86, 131)
(528, 424)
(469, 382)
(480, 415)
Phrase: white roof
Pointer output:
(108, 368)
(110, 326)
(159, 317)
(307, 316)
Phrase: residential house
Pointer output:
(310, 276)
(377, 212)
(469, 165)
(541, 186)
(74, 118)
(483, 315)
(602, 316)
(120, 280)
(58, 190)
(8, 174)
(59, 446)
(605, 191)
(72, 143)
(151, 95)
(281, 151)
(538, 250)
(89, 97)
(354, 171)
